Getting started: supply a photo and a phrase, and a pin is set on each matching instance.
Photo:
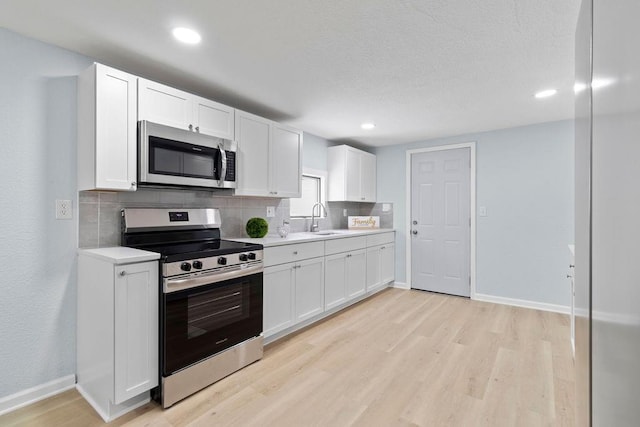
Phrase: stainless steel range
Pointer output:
(210, 293)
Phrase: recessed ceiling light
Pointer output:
(367, 126)
(546, 93)
(186, 35)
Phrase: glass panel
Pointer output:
(198, 165)
(311, 191)
(167, 161)
(209, 311)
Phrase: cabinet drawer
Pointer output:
(290, 253)
(347, 244)
(380, 239)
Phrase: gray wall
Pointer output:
(525, 180)
(38, 165)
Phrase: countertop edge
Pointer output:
(304, 237)
(120, 254)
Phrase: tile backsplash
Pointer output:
(100, 218)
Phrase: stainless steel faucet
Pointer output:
(314, 226)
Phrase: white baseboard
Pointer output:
(34, 394)
(564, 309)
(401, 285)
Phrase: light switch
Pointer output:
(386, 207)
(482, 211)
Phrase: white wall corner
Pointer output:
(35, 394)
(400, 285)
(564, 309)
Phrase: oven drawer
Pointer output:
(290, 253)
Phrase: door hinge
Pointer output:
(469, 280)
(469, 221)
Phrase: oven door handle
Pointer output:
(174, 285)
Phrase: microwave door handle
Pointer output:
(223, 172)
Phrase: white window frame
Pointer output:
(322, 175)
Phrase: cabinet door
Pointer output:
(253, 135)
(212, 118)
(353, 175)
(278, 302)
(368, 177)
(356, 273)
(165, 105)
(116, 130)
(135, 329)
(387, 263)
(373, 267)
(286, 158)
(309, 292)
(334, 280)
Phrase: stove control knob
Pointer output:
(252, 255)
(197, 264)
(243, 257)
(185, 266)
(222, 261)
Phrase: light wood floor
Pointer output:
(400, 358)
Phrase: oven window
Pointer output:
(200, 322)
(209, 311)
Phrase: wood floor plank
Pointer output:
(400, 358)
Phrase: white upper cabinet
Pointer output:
(286, 161)
(172, 107)
(269, 157)
(352, 174)
(253, 134)
(107, 129)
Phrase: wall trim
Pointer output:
(35, 394)
(555, 308)
(472, 207)
(401, 285)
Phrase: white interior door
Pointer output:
(441, 221)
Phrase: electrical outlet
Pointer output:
(344, 212)
(271, 211)
(64, 209)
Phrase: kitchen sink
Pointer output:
(322, 233)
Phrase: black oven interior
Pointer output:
(203, 321)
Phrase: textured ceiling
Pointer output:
(418, 69)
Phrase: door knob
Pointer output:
(415, 222)
(415, 232)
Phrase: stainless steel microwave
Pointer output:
(171, 156)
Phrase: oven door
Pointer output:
(202, 321)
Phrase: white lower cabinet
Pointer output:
(380, 266)
(278, 297)
(345, 277)
(356, 273)
(118, 328)
(305, 281)
(309, 288)
(335, 292)
(293, 292)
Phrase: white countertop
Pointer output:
(275, 240)
(120, 254)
